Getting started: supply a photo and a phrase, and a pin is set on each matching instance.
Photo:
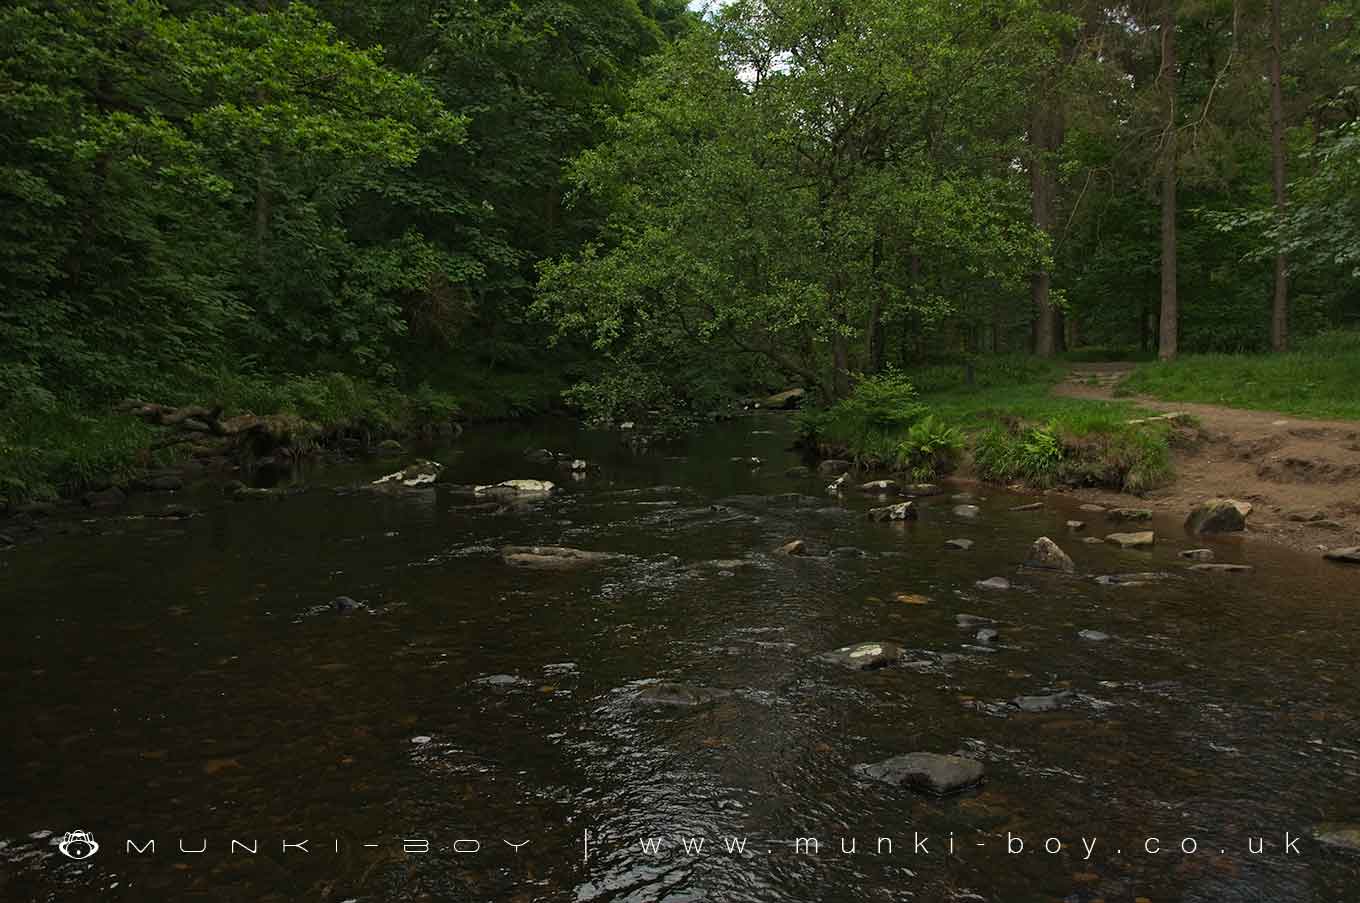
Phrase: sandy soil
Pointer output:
(1302, 476)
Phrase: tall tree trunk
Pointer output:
(1170, 321)
(1045, 134)
(1279, 311)
(874, 335)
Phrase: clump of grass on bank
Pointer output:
(48, 447)
(1016, 429)
(1317, 379)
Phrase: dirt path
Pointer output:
(1302, 476)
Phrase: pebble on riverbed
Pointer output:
(932, 772)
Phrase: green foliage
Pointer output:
(1317, 379)
(1098, 450)
(931, 449)
(868, 424)
(43, 448)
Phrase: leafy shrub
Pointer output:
(870, 423)
(931, 448)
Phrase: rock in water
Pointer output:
(1032, 506)
(1338, 836)
(1218, 516)
(967, 511)
(1345, 556)
(921, 490)
(1075, 525)
(106, 498)
(864, 656)
(1141, 540)
(1046, 555)
(900, 511)
(959, 545)
(1129, 514)
(796, 547)
(679, 695)
(345, 605)
(1198, 554)
(832, 467)
(987, 635)
(1094, 636)
(421, 473)
(994, 583)
(1038, 704)
(552, 557)
(1222, 568)
(516, 488)
(931, 772)
(799, 472)
(836, 485)
(878, 486)
(781, 401)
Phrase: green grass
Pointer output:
(44, 450)
(1320, 378)
(1016, 429)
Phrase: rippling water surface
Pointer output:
(183, 681)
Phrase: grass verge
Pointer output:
(1317, 379)
(1014, 428)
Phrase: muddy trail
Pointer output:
(1302, 476)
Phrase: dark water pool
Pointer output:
(182, 682)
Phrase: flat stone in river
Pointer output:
(552, 557)
(680, 695)
(864, 656)
(1140, 540)
(1345, 556)
(932, 772)
(900, 511)
(1048, 703)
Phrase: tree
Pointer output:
(1169, 324)
(783, 173)
(1279, 319)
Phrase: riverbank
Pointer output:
(1302, 476)
(1037, 427)
(52, 451)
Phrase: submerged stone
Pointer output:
(1129, 514)
(1198, 554)
(931, 772)
(680, 695)
(959, 545)
(994, 583)
(1094, 636)
(1222, 568)
(969, 511)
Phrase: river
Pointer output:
(477, 731)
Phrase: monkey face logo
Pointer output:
(78, 845)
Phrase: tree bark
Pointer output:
(1279, 316)
(1044, 137)
(1170, 319)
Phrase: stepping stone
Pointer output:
(864, 656)
(1222, 568)
(930, 772)
(1141, 540)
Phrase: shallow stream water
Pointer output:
(476, 733)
